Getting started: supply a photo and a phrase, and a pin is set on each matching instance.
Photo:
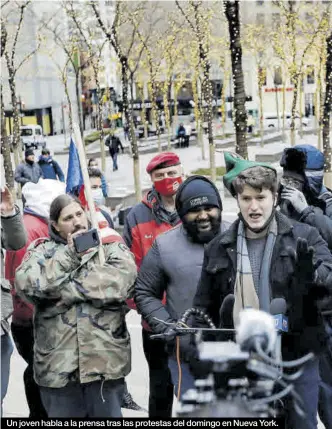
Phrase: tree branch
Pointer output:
(185, 15)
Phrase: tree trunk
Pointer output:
(5, 145)
(327, 114)
(261, 115)
(277, 107)
(100, 126)
(294, 102)
(16, 121)
(233, 18)
(129, 119)
(284, 109)
(223, 104)
(70, 108)
(167, 117)
(155, 109)
(300, 107)
(198, 116)
(79, 101)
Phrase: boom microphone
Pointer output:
(256, 325)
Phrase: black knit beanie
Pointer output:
(28, 152)
(194, 192)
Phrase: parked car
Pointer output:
(32, 137)
(271, 120)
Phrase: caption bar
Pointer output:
(144, 423)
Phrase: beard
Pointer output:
(202, 237)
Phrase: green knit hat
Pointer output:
(235, 165)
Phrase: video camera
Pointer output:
(244, 378)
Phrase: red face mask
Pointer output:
(168, 186)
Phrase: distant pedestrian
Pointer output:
(126, 131)
(50, 168)
(113, 142)
(187, 135)
(93, 163)
(180, 134)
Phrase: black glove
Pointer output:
(169, 335)
(303, 291)
(303, 262)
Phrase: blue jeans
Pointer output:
(325, 388)
(115, 161)
(187, 380)
(307, 386)
(6, 352)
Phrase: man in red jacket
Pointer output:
(38, 198)
(153, 216)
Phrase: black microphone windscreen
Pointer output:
(226, 311)
(278, 306)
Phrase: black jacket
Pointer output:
(306, 331)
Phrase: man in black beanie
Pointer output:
(29, 170)
(173, 265)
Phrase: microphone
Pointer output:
(256, 325)
(278, 309)
(226, 311)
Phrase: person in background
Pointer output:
(93, 163)
(174, 263)
(146, 220)
(13, 237)
(50, 168)
(265, 255)
(29, 170)
(303, 197)
(35, 218)
(113, 142)
(82, 346)
(181, 134)
(187, 135)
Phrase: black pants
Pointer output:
(161, 387)
(24, 340)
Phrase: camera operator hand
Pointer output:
(295, 197)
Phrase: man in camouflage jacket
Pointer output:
(82, 346)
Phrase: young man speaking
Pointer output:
(264, 255)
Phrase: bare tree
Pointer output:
(233, 17)
(293, 41)
(9, 52)
(198, 22)
(327, 114)
(113, 38)
(94, 47)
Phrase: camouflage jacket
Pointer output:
(79, 322)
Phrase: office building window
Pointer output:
(310, 75)
(260, 19)
(277, 79)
